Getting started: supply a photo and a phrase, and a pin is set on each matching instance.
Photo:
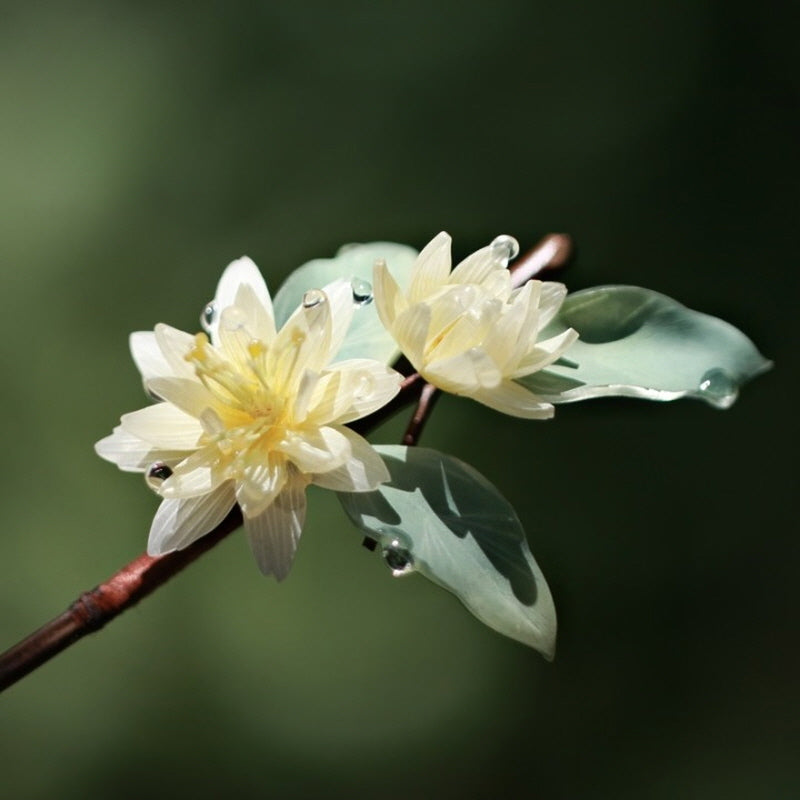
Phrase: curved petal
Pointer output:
(275, 532)
(242, 272)
(164, 426)
(147, 355)
(301, 344)
(199, 473)
(411, 332)
(432, 268)
(465, 373)
(187, 394)
(260, 483)
(389, 300)
(317, 449)
(475, 268)
(513, 399)
(340, 300)
(175, 345)
(132, 454)
(351, 390)
(178, 523)
(364, 471)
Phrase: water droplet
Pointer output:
(156, 474)
(365, 386)
(313, 297)
(718, 388)
(207, 316)
(397, 558)
(504, 248)
(233, 318)
(362, 291)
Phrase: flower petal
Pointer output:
(242, 272)
(164, 426)
(301, 344)
(545, 353)
(147, 355)
(275, 532)
(475, 268)
(364, 471)
(511, 398)
(389, 300)
(178, 523)
(187, 394)
(260, 483)
(351, 390)
(411, 332)
(132, 454)
(175, 345)
(199, 473)
(316, 449)
(342, 308)
(553, 295)
(465, 373)
(432, 268)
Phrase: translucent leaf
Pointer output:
(367, 338)
(441, 518)
(640, 343)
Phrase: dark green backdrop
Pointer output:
(144, 145)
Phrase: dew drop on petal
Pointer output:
(718, 388)
(365, 386)
(156, 474)
(233, 318)
(207, 316)
(397, 558)
(362, 291)
(504, 248)
(313, 297)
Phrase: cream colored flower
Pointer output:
(469, 331)
(251, 415)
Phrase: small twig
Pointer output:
(93, 609)
(552, 252)
(425, 404)
(135, 581)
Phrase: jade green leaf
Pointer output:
(439, 517)
(639, 343)
(367, 338)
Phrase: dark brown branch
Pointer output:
(135, 581)
(551, 253)
(425, 404)
(93, 609)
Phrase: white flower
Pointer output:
(469, 331)
(252, 415)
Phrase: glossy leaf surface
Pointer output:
(441, 518)
(640, 343)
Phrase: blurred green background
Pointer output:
(144, 145)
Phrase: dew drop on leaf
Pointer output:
(397, 558)
(718, 388)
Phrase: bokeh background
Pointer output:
(144, 145)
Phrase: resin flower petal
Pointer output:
(251, 414)
(467, 331)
